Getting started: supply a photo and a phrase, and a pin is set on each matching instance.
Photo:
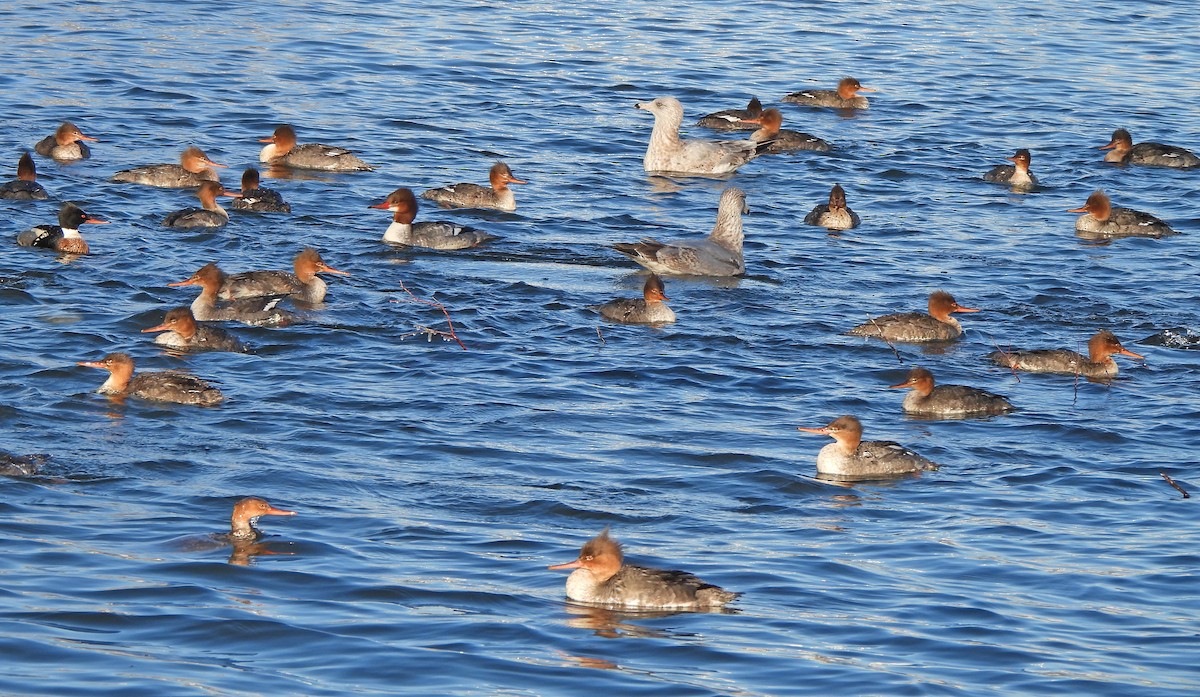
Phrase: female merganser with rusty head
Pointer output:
(256, 199)
(171, 386)
(948, 401)
(602, 577)
(651, 308)
(849, 458)
(1155, 154)
(66, 144)
(209, 216)
(497, 197)
(668, 153)
(302, 283)
(733, 119)
(283, 150)
(25, 187)
(719, 254)
(256, 312)
(1097, 364)
(1102, 220)
(21, 465)
(1015, 175)
(777, 140)
(917, 327)
(835, 215)
(63, 237)
(182, 332)
(438, 234)
(245, 513)
(194, 169)
(844, 97)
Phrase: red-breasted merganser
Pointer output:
(303, 285)
(170, 386)
(438, 234)
(245, 513)
(1156, 154)
(948, 400)
(719, 254)
(733, 119)
(1102, 220)
(256, 199)
(21, 465)
(849, 458)
(1015, 175)
(256, 312)
(63, 237)
(601, 577)
(777, 140)
(651, 308)
(1097, 364)
(668, 153)
(181, 331)
(835, 215)
(498, 196)
(66, 144)
(918, 327)
(194, 169)
(210, 215)
(283, 150)
(25, 187)
(844, 97)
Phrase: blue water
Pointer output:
(434, 484)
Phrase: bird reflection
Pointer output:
(612, 624)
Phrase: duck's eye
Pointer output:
(587, 557)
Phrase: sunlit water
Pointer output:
(434, 485)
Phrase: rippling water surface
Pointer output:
(434, 485)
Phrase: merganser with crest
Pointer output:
(1015, 175)
(651, 308)
(209, 216)
(719, 254)
(846, 96)
(777, 140)
(181, 331)
(256, 312)
(670, 154)
(170, 386)
(918, 327)
(257, 199)
(439, 234)
(63, 237)
(301, 284)
(601, 577)
(194, 169)
(1101, 220)
(1154, 154)
(1097, 364)
(497, 196)
(850, 458)
(948, 401)
(25, 187)
(733, 119)
(66, 144)
(835, 215)
(283, 150)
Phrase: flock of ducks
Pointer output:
(599, 574)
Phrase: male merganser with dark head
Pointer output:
(170, 386)
(66, 144)
(849, 458)
(63, 237)
(719, 254)
(303, 285)
(776, 140)
(1156, 154)
(256, 199)
(284, 151)
(917, 327)
(948, 401)
(182, 332)
(439, 234)
(257, 312)
(733, 119)
(21, 465)
(844, 97)
(1015, 175)
(602, 577)
(194, 169)
(651, 308)
(498, 196)
(25, 187)
(245, 513)
(1102, 220)
(209, 216)
(668, 153)
(1097, 364)
(835, 215)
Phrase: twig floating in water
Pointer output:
(1173, 483)
(884, 339)
(431, 332)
